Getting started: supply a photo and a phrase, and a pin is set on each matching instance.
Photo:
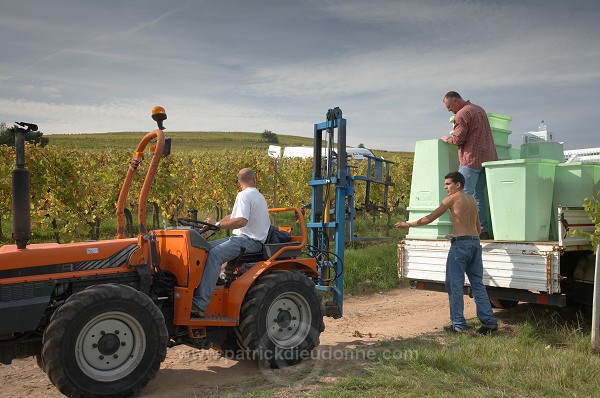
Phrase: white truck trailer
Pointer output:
(555, 273)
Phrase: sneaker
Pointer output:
(453, 329)
(485, 235)
(487, 330)
(197, 312)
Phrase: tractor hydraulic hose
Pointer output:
(133, 165)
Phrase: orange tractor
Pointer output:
(99, 315)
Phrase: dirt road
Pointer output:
(188, 372)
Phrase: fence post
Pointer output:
(596, 306)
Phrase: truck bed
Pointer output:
(531, 267)
(515, 265)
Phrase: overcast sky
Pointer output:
(83, 66)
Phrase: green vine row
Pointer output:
(75, 189)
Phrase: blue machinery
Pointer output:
(332, 216)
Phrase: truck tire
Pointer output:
(105, 341)
(503, 304)
(281, 319)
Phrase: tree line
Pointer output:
(7, 136)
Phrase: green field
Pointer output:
(181, 140)
(186, 140)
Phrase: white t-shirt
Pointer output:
(251, 205)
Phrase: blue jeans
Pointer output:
(465, 257)
(221, 251)
(475, 185)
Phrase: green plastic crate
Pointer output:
(433, 160)
(573, 182)
(500, 136)
(499, 121)
(503, 152)
(520, 194)
(515, 153)
(543, 150)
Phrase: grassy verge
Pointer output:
(520, 365)
(539, 352)
(545, 356)
(371, 268)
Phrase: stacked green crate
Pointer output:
(499, 121)
(503, 152)
(433, 160)
(500, 132)
(573, 183)
(543, 150)
(515, 153)
(520, 194)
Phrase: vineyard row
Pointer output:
(75, 189)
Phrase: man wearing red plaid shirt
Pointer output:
(473, 136)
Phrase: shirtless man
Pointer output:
(464, 255)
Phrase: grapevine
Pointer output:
(74, 191)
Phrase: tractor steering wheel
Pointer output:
(198, 225)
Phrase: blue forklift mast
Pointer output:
(327, 228)
(333, 207)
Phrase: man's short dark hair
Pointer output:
(456, 177)
(452, 94)
(246, 175)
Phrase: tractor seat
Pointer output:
(268, 249)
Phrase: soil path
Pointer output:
(187, 372)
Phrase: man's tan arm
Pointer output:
(431, 217)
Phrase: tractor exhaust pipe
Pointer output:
(21, 211)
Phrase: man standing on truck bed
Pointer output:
(473, 136)
(250, 223)
(464, 255)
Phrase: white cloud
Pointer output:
(402, 69)
(385, 63)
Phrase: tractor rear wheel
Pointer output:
(281, 319)
(105, 341)
(230, 348)
(40, 362)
